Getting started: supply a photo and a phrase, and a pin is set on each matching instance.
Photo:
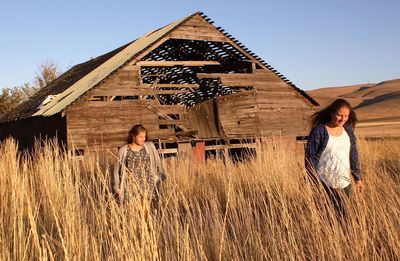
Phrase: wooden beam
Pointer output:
(157, 92)
(136, 92)
(164, 115)
(171, 122)
(175, 63)
(166, 151)
(187, 133)
(225, 75)
(171, 85)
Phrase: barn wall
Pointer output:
(272, 108)
(26, 130)
(105, 124)
(122, 83)
(282, 110)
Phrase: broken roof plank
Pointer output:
(176, 63)
(171, 85)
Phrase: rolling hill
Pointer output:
(377, 105)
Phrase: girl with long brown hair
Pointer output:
(331, 155)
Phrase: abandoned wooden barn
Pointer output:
(189, 83)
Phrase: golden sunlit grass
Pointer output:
(54, 207)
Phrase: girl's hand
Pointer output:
(359, 186)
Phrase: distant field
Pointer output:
(377, 105)
(379, 128)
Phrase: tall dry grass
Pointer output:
(54, 207)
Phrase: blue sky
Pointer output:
(313, 43)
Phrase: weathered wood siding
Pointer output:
(121, 83)
(203, 118)
(272, 108)
(239, 114)
(282, 110)
(197, 28)
(105, 124)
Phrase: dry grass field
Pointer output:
(57, 208)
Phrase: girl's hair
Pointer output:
(134, 132)
(324, 116)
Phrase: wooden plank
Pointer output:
(116, 86)
(132, 92)
(265, 90)
(119, 87)
(184, 29)
(164, 115)
(201, 117)
(239, 113)
(108, 122)
(168, 151)
(171, 122)
(242, 145)
(170, 109)
(199, 31)
(133, 69)
(171, 85)
(198, 28)
(161, 133)
(140, 92)
(225, 75)
(109, 104)
(197, 37)
(215, 147)
(175, 63)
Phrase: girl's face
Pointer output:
(140, 138)
(340, 118)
